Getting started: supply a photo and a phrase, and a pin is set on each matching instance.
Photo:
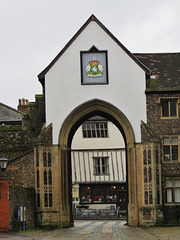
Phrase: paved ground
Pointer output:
(86, 230)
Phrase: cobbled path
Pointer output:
(87, 230)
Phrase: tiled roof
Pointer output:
(8, 114)
(165, 67)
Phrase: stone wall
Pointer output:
(19, 196)
(17, 145)
(154, 121)
(172, 215)
(22, 138)
(171, 169)
(20, 171)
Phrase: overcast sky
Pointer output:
(32, 33)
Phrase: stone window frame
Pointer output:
(171, 188)
(169, 99)
(171, 144)
(47, 178)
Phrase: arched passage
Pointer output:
(89, 109)
(69, 127)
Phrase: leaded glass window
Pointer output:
(169, 108)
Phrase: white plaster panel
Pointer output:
(64, 92)
(114, 140)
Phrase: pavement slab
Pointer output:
(86, 230)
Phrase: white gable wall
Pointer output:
(64, 92)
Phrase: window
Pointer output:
(45, 199)
(170, 149)
(101, 165)
(86, 194)
(169, 108)
(173, 190)
(95, 130)
(37, 178)
(45, 177)
(102, 193)
(44, 159)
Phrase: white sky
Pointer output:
(32, 33)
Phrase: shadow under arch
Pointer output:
(90, 109)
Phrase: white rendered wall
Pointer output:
(64, 92)
(82, 161)
(114, 140)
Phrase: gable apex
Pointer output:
(91, 18)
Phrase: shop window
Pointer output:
(170, 149)
(173, 190)
(86, 194)
(102, 193)
(169, 108)
(111, 194)
(101, 165)
(95, 130)
(98, 193)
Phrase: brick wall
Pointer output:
(4, 206)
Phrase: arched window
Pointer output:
(49, 159)
(149, 156)
(150, 174)
(45, 177)
(44, 159)
(50, 200)
(50, 177)
(144, 157)
(145, 174)
(45, 199)
(38, 178)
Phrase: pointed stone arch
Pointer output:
(91, 108)
(69, 127)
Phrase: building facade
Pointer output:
(98, 160)
(95, 75)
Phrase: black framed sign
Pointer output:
(94, 67)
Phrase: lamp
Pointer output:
(3, 163)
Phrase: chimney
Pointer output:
(23, 106)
